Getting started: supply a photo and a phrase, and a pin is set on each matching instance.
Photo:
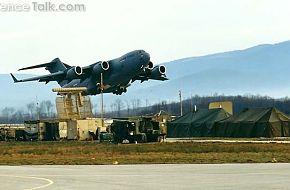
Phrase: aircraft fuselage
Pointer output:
(122, 70)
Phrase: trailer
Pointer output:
(8, 131)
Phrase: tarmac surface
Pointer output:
(169, 177)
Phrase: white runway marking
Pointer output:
(50, 182)
(155, 177)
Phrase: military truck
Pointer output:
(8, 131)
(136, 130)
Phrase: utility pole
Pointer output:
(102, 101)
(180, 99)
(191, 105)
(37, 109)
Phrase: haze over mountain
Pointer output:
(19, 94)
(262, 69)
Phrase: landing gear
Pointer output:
(119, 91)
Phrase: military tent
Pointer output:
(254, 122)
(196, 124)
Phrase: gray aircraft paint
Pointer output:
(118, 75)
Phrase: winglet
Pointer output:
(14, 78)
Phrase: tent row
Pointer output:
(250, 123)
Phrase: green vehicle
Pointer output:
(135, 130)
(106, 137)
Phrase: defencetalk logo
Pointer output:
(41, 7)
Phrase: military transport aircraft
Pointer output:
(117, 74)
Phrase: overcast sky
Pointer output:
(167, 29)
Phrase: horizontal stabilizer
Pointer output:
(53, 66)
(35, 66)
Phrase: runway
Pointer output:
(156, 177)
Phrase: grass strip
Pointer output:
(91, 153)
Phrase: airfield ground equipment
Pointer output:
(136, 130)
(9, 132)
(71, 104)
(75, 121)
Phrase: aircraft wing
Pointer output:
(44, 78)
(96, 68)
(156, 73)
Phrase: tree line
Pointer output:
(44, 109)
(135, 107)
(124, 109)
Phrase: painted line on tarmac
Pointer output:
(50, 182)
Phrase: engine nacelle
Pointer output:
(158, 70)
(158, 73)
(149, 66)
(74, 72)
(101, 67)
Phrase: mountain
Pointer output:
(19, 94)
(262, 69)
(262, 58)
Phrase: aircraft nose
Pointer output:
(145, 57)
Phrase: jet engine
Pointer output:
(149, 66)
(74, 72)
(101, 67)
(158, 71)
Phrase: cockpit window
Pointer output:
(123, 59)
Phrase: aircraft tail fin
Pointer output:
(53, 66)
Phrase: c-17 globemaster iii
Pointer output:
(117, 74)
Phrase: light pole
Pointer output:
(180, 99)
(102, 101)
